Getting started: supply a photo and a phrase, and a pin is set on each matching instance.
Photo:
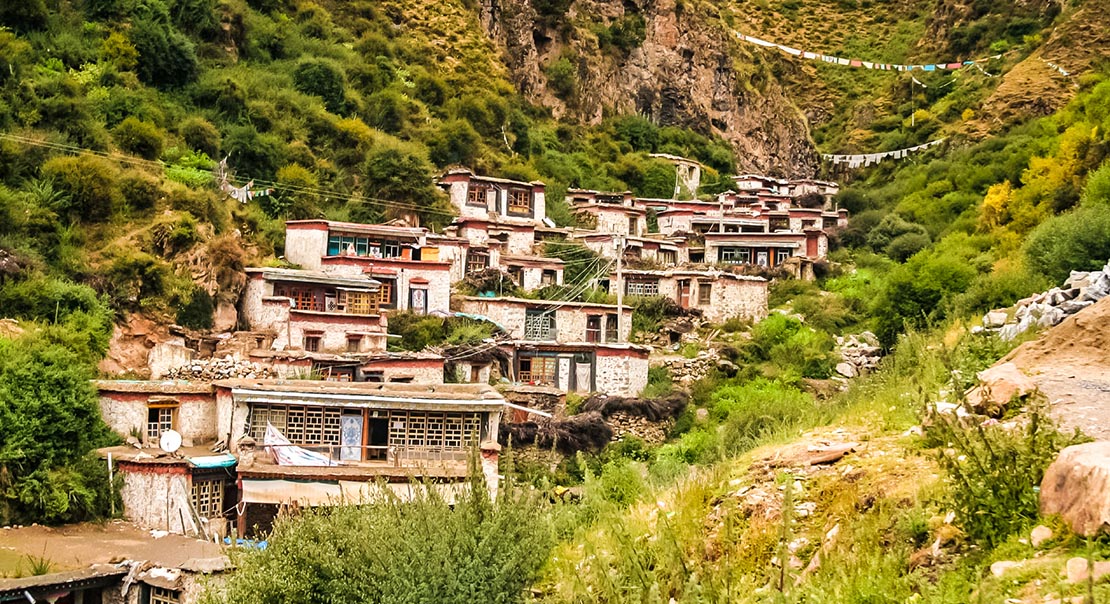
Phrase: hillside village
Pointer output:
(305, 404)
(554, 301)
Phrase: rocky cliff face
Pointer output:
(683, 73)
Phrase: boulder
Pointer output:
(999, 568)
(846, 369)
(1039, 535)
(998, 386)
(1078, 570)
(1077, 487)
(994, 319)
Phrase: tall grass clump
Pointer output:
(994, 472)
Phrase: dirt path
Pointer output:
(1070, 363)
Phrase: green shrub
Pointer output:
(167, 58)
(890, 228)
(455, 142)
(140, 191)
(1075, 241)
(24, 16)
(994, 473)
(49, 422)
(324, 80)
(698, 446)
(400, 172)
(197, 311)
(417, 331)
(91, 185)
(905, 245)
(621, 482)
(201, 136)
(253, 155)
(660, 382)
(562, 77)
(789, 346)
(471, 550)
(139, 138)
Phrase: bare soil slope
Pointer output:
(1071, 364)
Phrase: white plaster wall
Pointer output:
(539, 202)
(521, 242)
(672, 224)
(438, 286)
(621, 375)
(123, 416)
(166, 356)
(477, 234)
(196, 421)
(611, 220)
(509, 316)
(306, 246)
(732, 298)
(147, 501)
(252, 307)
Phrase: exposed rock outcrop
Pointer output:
(1050, 308)
(682, 74)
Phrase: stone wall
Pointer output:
(625, 424)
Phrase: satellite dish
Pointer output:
(170, 441)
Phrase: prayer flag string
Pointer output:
(866, 159)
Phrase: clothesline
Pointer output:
(815, 56)
(866, 159)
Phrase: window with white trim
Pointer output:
(735, 255)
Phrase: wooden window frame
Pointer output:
(705, 293)
(519, 202)
(476, 261)
(161, 595)
(477, 194)
(165, 419)
(208, 497)
(312, 341)
(612, 328)
(542, 370)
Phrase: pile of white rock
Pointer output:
(1049, 308)
(859, 354)
(227, 368)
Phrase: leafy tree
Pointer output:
(392, 552)
(200, 135)
(637, 131)
(167, 58)
(197, 312)
(562, 77)
(456, 142)
(253, 155)
(914, 293)
(905, 245)
(398, 180)
(891, 227)
(196, 17)
(24, 15)
(1075, 241)
(388, 111)
(49, 424)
